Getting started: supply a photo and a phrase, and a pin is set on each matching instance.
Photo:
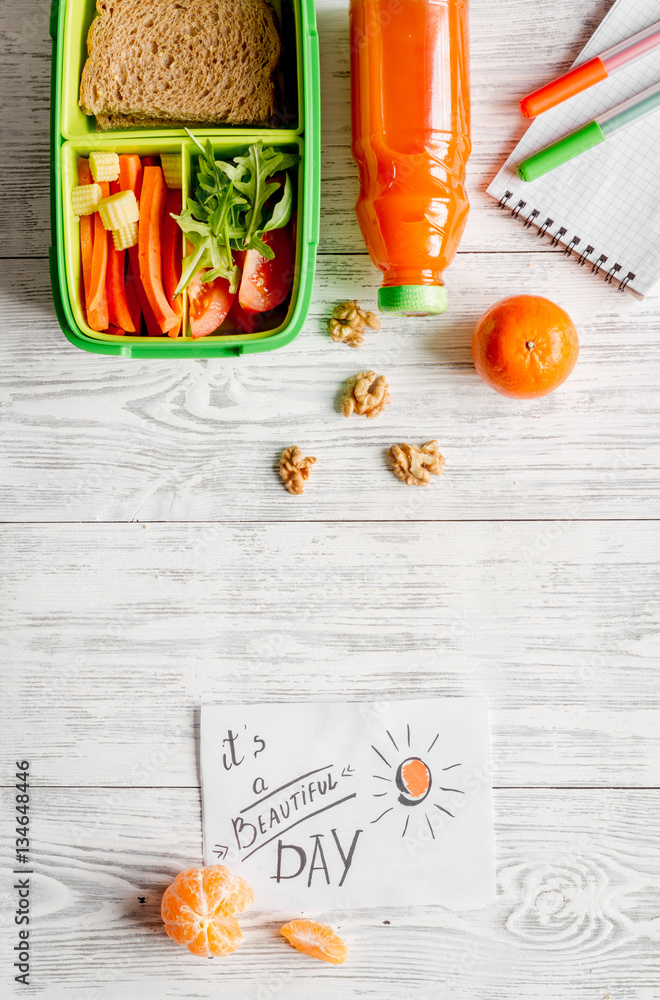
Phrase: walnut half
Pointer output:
(365, 394)
(347, 323)
(414, 465)
(294, 469)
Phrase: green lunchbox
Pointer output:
(73, 134)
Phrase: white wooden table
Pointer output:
(153, 562)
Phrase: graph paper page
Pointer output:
(607, 200)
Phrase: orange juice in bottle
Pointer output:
(410, 106)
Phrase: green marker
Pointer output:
(590, 135)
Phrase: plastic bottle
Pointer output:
(411, 141)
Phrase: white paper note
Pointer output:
(327, 805)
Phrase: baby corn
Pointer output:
(104, 166)
(171, 164)
(85, 198)
(119, 210)
(125, 237)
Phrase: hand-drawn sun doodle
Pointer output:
(412, 781)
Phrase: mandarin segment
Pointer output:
(189, 890)
(226, 893)
(199, 945)
(178, 916)
(224, 935)
(198, 910)
(316, 940)
(215, 887)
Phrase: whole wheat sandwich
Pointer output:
(165, 62)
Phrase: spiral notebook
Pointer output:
(604, 206)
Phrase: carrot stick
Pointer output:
(153, 328)
(132, 298)
(172, 255)
(118, 310)
(86, 250)
(150, 232)
(130, 179)
(97, 305)
(130, 174)
(84, 172)
(86, 233)
(117, 331)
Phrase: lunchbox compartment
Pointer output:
(224, 147)
(70, 154)
(74, 123)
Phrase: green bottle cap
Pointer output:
(413, 300)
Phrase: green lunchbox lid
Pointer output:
(72, 135)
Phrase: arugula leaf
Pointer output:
(259, 164)
(282, 210)
(228, 211)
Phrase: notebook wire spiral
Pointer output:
(598, 264)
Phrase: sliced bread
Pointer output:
(193, 61)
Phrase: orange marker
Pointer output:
(589, 73)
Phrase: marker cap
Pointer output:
(560, 152)
(566, 86)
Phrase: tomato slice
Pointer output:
(266, 283)
(208, 304)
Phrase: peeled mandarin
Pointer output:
(199, 909)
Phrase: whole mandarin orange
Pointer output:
(199, 909)
(525, 346)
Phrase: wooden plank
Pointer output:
(576, 915)
(522, 48)
(118, 633)
(92, 438)
(115, 634)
